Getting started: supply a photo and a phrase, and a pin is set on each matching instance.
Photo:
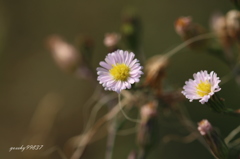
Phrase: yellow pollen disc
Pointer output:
(120, 72)
(203, 88)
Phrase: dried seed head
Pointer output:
(204, 127)
(233, 24)
(64, 54)
(111, 39)
(155, 71)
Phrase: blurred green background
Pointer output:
(28, 72)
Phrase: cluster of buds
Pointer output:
(148, 134)
(216, 144)
(186, 29)
(227, 27)
(155, 71)
(68, 58)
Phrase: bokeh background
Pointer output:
(28, 74)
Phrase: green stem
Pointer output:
(216, 103)
(189, 41)
(124, 114)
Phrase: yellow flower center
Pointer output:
(120, 72)
(203, 88)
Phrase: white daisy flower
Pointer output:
(202, 87)
(119, 71)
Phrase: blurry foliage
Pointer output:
(42, 105)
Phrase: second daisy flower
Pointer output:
(202, 87)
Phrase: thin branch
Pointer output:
(89, 102)
(91, 132)
(124, 114)
(97, 107)
(232, 135)
(189, 41)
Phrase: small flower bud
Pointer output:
(148, 111)
(204, 127)
(155, 70)
(111, 40)
(233, 24)
(148, 134)
(68, 58)
(64, 54)
(219, 26)
(182, 25)
(186, 29)
(216, 144)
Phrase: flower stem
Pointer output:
(124, 114)
(216, 103)
(190, 41)
(111, 138)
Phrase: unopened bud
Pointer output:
(186, 29)
(68, 58)
(216, 144)
(155, 70)
(219, 26)
(148, 132)
(148, 111)
(182, 25)
(204, 127)
(64, 54)
(111, 40)
(233, 24)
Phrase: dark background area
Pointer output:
(28, 72)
